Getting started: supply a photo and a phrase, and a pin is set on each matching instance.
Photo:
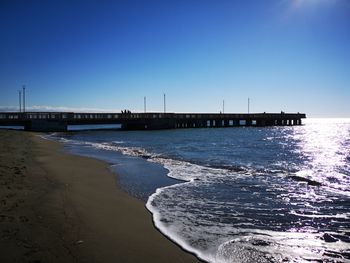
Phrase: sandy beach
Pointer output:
(57, 207)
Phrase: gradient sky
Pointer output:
(290, 55)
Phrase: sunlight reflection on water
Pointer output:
(325, 144)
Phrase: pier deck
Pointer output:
(58, 121)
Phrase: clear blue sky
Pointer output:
(291, 55)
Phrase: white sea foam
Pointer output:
(218, 245)
(54, 136)
(187, 171)
(336, 216)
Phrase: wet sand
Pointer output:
(57, 207)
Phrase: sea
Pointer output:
(244, 194)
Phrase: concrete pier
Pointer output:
(58, 121)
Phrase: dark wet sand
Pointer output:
(57, 207)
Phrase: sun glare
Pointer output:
(302, 3)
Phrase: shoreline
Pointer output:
(75, 210)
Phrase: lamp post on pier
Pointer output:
(24, 98)
(248, 105)
(164, 103)
(20, 100)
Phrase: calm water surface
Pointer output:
(278, 194)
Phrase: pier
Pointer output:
(59, 121)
